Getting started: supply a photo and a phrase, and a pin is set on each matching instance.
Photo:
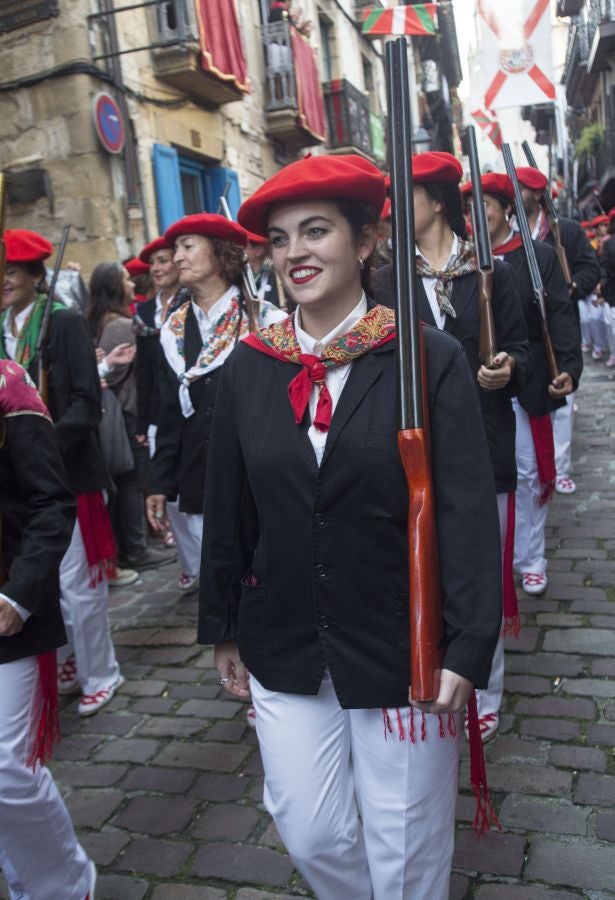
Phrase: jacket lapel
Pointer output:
(193, 339)
(463, 291)
(363, 374)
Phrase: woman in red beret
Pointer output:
(304, 583)
(210, 315)
(88, 661)
(449, 299)
(39, 852)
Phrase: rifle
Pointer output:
(487, 343)
(247, 274)
(553, 219)
(413, 434)
(42, 343)
(532, 263)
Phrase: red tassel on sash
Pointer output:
(97, 535)
(512, 622)
(485, 814)
(48, 727)
(542, 435)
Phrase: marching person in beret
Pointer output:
(537, 400)
(88, 662)
(258, 251)
(585, 271)
(304, 581)
(39, 853)
(210, 315)
(449, 298)
(607, 261)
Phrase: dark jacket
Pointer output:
(327, 550)
(148, 369)
(178, 466)
(580, 254)
(534, 397)
(607, 261)
(511, 337)
(38, 513)
(75, 400)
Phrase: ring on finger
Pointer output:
(224, 681)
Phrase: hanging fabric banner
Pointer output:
(310, 100)
(420, 19)
(489, 124)
(515, 52)
(220, 40)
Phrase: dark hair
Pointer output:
(106, 295)
(231, 258)
(35, 270)
(359, 215)
(450, 198)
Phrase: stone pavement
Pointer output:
(165, 784)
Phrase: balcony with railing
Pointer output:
(181, 60)
(601, 34)
(348, 119)
(294, 103)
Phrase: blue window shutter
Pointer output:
(169, 197)
(216, 180)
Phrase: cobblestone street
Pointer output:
(165, 784)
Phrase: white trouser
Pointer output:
(188, 537)
(586, 336)
(609, 322)
(490, 699)
(39, 853)
(597, 327)
(530, 516)
(86, 617)
(563, 422)
(321, 761)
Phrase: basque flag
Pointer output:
(420, 19)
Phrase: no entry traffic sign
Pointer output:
(109, 123)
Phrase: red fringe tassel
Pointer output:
(512, 621)
(48, 728)
(485, 814)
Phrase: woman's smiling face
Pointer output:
(315, 253)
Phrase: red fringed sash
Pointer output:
(512, 623)
(373, 330)
(97, 535)
(48, 727)
(542, 435)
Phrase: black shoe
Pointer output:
(151, 558)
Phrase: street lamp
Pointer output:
(421, 140)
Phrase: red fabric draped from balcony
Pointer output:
(221, 48)
(310, 101)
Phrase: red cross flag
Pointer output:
(516, 52)
(488, 121)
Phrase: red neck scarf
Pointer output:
(508, 246)
(373, 330)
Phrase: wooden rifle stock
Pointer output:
(413, 434)
(486, 341)
(550, 212)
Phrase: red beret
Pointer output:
(493, 183)
(135, 267)
(209, 225)
(386, 209)
(154, 246)
(26, 246)
(600, 220)
(436, 166)
(349, 177)
(611, 213)
(585, 224)
(257, 238)
(531, 178)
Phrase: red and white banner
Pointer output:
(516, 52)
(488, 121)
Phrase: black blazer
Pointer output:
(607, 261)
(327, 546)
(75, 400)
(38, 514)
(581, 256)
(178, 466)
(534, 396)
(147, 370)
(511, 337)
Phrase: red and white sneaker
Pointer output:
(67, 675)
(188, 583)
(586, 348)
(565, 485)
(534, 583)
(610, 361)
(91, 703)
(251, 716)
(488, 724)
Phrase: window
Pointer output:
(325, 48)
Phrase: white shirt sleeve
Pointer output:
(23, 613)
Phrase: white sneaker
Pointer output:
(534, 583)
(90, 893)
(67, 675)
(123, 577)
(565, 485)
(91, 703)
(188, 583)
(251, 716)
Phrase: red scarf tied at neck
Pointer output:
(373, 330)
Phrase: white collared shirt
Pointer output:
(430, 283)
(158, 311)
(207, 319)
(10, 341)
(335, 378)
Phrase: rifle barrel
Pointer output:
(481, 234)
(547, 202)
